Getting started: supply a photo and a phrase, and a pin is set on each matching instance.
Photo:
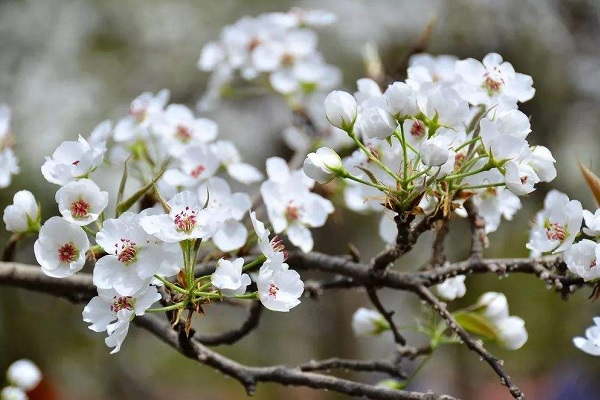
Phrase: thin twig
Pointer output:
(398, 338)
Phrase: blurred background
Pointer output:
(67, 65)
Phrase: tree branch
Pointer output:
(232, 336)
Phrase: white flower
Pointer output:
(581, 259)
(511, 332)
(13, 393)
(229, 279)
(592, 223)
(112, 312)
(452, 288)
(133, 256)
(557, 225)
(178, 127)
(322, 165)
(494, 306)
(591, 342)
(367, 322)
(443, 105)
(435, 151)
(427, 68)
(341, 109)
(272, 249)
(186, 220)
(81, 202)
(24, 374)
(8, 161)
(291, 206)
(143, 111)
(494, 203)
(503, 146)
(75, 160)
(493, 82)
(232, 233)
(375, 122)
(230, 158)
(197, 162)
(542, 162)
(60, 248)
(279, 288)
(24, 214)
(520, 178)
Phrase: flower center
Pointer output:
(273, 289)
(80, 208)
(593, 264)
(492, 85)
(292, 211)
(197, 171)
(138, 112)
(184, 133)
(417, 130)
(75, 163)
(67, 253)
(121, 303)
(287, 59)
(254, 43)
(556, 231)
(524, 179)
(126, 250)
(186, 220)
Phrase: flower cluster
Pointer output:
(280, 47)
(450, 132)
(22, 376)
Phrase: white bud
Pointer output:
(367, 322)
(494, 305)
(375, 122)
(401, 99)
(341, 109)
(434, 152)
(23, 215)
(322, 165)
(24, 374)
(511, 332)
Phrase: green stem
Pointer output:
(253, 295)
(167, 308)
(259, 260)
(373, 158)
(170, 285)
(489, 185)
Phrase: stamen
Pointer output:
(67, 253)
(80, 208)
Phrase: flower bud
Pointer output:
(494, 306)
(23, 215)
(512, 333)
(13, 393)
(367, 322)
(375, 122)
(434, 152)
(24, 374)
(401, 99)
(452, 288)
(322, 165)
(341, 109)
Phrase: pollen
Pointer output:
(121, 303)
(184, 133)
(556, 232)
(80, 208)
(273, 289)
(126, 250)
(492, 85)
(67, 253)
(417, 129)
(186, 220)
(197, 171)
(292, 212)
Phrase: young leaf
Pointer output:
(477, 324)
(592, 181)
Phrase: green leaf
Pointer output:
(477, 324)
(392, 384)
(371, 176)
(123, 180)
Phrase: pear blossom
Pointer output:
(197, 162)
(367, 322)
(185, 220)
(178, 127)
(427, 68)
(511, 332)
(24, 374)
(13, 393)
(452, 288)
(112, 312)
(581, 259)
(271, 249)
(81, 202)
(279, 287)
(556, 225)
(24, 214)
(501, 145)
(232, 233)
(143, 112)
(228, 277)
(520, 178)
(291, 206)
(542, 162)
(8, 161)
(494, 203)
(341, 109)
(443, 105)
(401, 99)
(230, 158)
(591, 342)
(60, 248)
(435, 151)
(592, 223)
(74, 160)
(493, 82)
(322, 165)
(134, 256)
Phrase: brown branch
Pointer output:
(391, 368)
(474, 345)
(478, 235)
(398, 338)
(250, 376)
(437, 255)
